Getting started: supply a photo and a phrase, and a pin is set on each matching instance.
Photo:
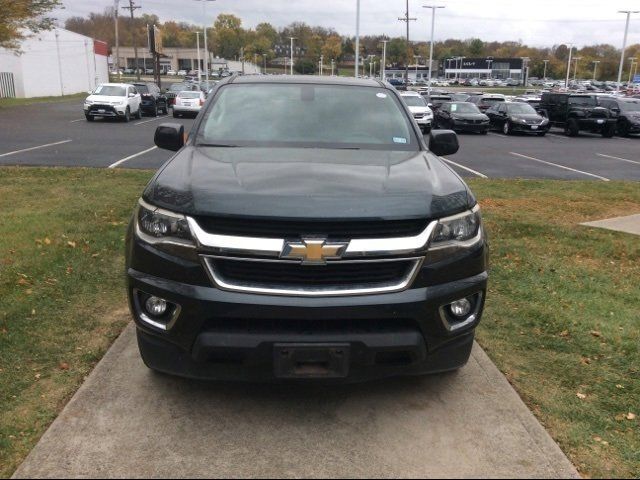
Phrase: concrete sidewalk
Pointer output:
(126, 421)
(628, 224)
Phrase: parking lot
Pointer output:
(57, 134)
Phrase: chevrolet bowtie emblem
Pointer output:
(313, 250)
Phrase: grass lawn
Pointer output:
(13, 102)
(562, 314)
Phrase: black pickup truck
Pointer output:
(577, 112)
(305, 230)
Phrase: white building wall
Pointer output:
(57, 62)
(10, 62)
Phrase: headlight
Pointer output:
(458, 228)
(88, 102)
(162, 226)
(545, 121)
(522, 120)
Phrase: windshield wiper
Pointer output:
(223, 145)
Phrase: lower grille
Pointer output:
(292, 278)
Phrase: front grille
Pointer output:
(107, 108)
(418, 115)
(330, 229)
(288, 274)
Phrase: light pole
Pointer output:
(566, 83)
(292, 39)
(333, 64)
(357, 36)
(383, 73)
(264, 61)
(416, 58)
(489, 63)
(575, 70)
(321, 65)
(595, 68)
(624, 44)
(206, 44)
(116, 6)
(198, 48)
(433, 26)
(546, 62)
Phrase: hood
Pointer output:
(105, 99)
(470, 116)
(308, 183)
(426, 110)
(527, 116)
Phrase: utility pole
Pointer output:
(132, 7)
(357, 37)
(321, 64)
(198, 48)
(566, 83)
(206, 44)
(292, 39)
(575, 70)
(595, 68)
(546, 62)
(433, 27)
(116, 6)
(624, 44)
(383, 72)
(333, 64)
(407, 19)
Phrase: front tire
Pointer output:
(89, 118)
(506, 128)
(139, 113)
(609, 131)
(573, 128)
(623, 129)
(127, 116)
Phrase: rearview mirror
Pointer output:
(443, 142)
(169, 136)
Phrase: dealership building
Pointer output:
(52, 63)
(485, 67)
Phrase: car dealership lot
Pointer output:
(57, 134)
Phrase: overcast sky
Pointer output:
(539, 23)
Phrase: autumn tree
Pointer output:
(228, 36)
(20, 19)
(332, 48)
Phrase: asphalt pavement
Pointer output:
(126, 421)
(56, 134)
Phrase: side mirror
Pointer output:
(131, 95)
(443, 142)
(170, 136)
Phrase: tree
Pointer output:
(228, 35)
(21, 19)
(476, 47)
(305, 67)
(332, 48)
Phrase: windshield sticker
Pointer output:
(399, 140)
(381, 95)
(454, 107)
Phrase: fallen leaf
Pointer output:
(619, 386)
(33, 312)
(564, 333)
(71, 244)
(597, 439)
(38, 375)
(630, 416)
(28, 292)
(595, 333)
(64, 366)
(69, 270)
(581, 396)
(23, 281)
(585, 360)
(47, 241)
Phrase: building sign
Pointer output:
(155, 40)
(483, 63)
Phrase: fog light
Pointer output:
(460, 308)
(156, 306)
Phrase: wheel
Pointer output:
(542, 134)
(484, 132)
(139, 113)
(506, 128)
(89, 118)
(572, 128)
(623, 128)
(127, 115)
(155, 111)
(609, 131)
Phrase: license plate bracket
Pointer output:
(311, 360)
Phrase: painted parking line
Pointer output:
(618, 158)
(559, 166)
(557, 136)
(147, 121)
(131, 157)
(78, 120)
(481, 175)
(34, 148)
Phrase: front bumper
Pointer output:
(596, 124)
(223, 335)
(104, 110)
(528, 128)
(471, 127)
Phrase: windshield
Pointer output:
(521, 109)
(177, 87)
(110, 91)
(414, 101)
(630, 106)
(189, 94)
(312, 116)
(460, 97)
(464, 108)
(492, 100)
(586, 101)
(142, 88)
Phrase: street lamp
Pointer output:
(433, 26)
(206, 45)
(546, 62)
(595, 68)
(575, 70)
(198, 48)
(383, 73)
(624, 44)
(292, 39)
(357, 36)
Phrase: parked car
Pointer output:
(153, 100)
(517, 117)
(459, 96)
(627, 112)
(485, 101)
(176, 88)
(461, 117)
(172, 73)
(421, 112)
(182, 73)
(435, 100)
(113, 100)
(577, 112)
(188, 102)
(274, 247)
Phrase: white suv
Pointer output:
(115, 100)
(422, 114)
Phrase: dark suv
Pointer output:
(577, 112)
(306, 229)
(485, 102)
(153, 100)
(627, 112)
